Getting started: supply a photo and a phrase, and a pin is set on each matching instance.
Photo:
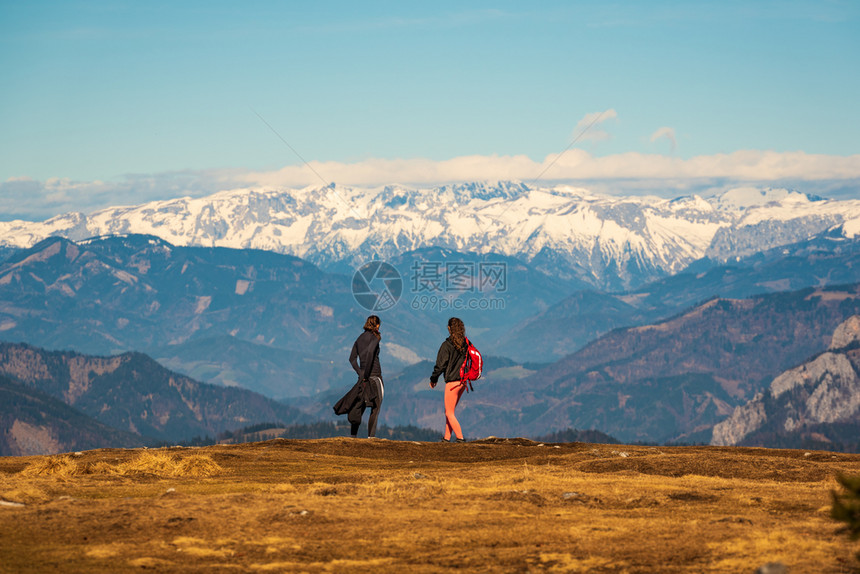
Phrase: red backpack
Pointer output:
(472, 366)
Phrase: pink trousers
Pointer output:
(453, 392)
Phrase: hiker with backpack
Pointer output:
(369, 390)
(460, 363)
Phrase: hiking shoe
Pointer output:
(461, 440)
(443, 439)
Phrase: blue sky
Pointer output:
(120, 101)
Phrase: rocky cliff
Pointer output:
(32, 422)
(810, 405)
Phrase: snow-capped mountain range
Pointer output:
(606, 241)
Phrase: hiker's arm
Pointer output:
(441, 362)
(353, 358)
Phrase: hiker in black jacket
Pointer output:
(449, 359)
(364, 358)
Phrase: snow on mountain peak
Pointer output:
(609, 242)
(742, 198)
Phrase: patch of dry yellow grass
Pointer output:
(780, 544)
(148, 462)
(275, 544)
(332, 566)
(158, 463)
(164, 464)
(57, 467)
(200, 548)
(405, 488)
(558, 562)
(21, 490)
(283, 488)
(104, 550)
(197, 466)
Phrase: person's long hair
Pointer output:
(372, 325)
(458, 332)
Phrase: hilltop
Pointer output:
(501, 505)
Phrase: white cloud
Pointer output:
(587, 129)
(404, 171)
(576, 164)
(24, 198)
(665, 133)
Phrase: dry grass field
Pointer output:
(372, 505)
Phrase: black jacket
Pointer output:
(449, 359)
(364, 357)
(362, 391)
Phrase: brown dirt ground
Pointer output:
(373, 505)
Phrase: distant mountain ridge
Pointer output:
(136, 395)
(606, 242)
(585, 315)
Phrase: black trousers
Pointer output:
(357, 410)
